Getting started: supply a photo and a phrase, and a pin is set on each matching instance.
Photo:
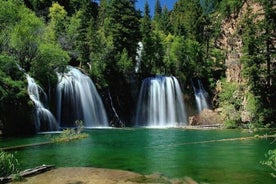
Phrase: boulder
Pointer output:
(206, 117)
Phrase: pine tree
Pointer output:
(157, 15)
(57, 16)
(89, 13)
(259, 49)
(147, 41)
(165, 24)
(124, 26)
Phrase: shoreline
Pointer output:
(91, 175)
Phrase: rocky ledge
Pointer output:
(207, 117)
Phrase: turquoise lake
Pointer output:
(174, 153)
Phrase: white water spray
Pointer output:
(160, 103)
(138, 57)
(201, 97)
(45, 121)
(78, 99)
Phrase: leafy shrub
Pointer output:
(230, 100)
(271, 161)
(71, 134)
(8, 164)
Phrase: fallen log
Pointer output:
(24, 146)
(28, 172)
(210, 126)
(36, 170)
(220, 140)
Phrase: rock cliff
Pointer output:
(231, 40)
(231, 43)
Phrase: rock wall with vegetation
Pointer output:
(248, 39)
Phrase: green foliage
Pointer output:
(187, 19)
(230, 99)
(57, 15)
(49, 58)
(157, 15)
(17, 177)
(164, 23)
(70, 134)
(147, 41)
(258, 61)
(29, 42)
(124, 26)
(124, 63)
(271, 161)
(25, 47)
(13, 98)
(176, 58)
(103, 38)
(236, 99)
(8, 164)
(12, 87)
(25, 36)
(100, 57)
(229, 7)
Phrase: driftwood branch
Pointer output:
(114, 110)
(28, 172)
(24, 146)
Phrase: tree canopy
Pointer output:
(101, 37)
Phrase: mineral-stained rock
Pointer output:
(206, 117)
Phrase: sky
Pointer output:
(140, 4)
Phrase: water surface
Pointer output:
(174, 153)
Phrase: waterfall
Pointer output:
(44, 119)
(78, 99)
(201, 96)
(160, 103)
(138, 57)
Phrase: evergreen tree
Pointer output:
(157, 10)
(230, 8)
(165, 24)
(124, 26)
(57, 16)
(158, 53)
(147, 41)
(259, 49)
(113, 61)
(157, 14)
(88, 15)
(177, 18)
(187, 19)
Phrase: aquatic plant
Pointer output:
(8, 164)
(271, 161)
(70, 134)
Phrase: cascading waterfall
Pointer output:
(78, 99)
(201, 96)
(138, 57)
(45, 121)
(160, 103)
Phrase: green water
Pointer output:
(174, 153)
